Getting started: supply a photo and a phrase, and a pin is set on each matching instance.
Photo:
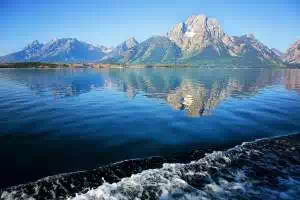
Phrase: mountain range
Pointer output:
(198, 40)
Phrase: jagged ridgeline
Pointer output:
(197, 41)
(66, 50)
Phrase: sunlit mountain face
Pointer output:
(200, 40)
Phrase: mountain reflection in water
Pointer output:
(196, 91)
(199, 93)
(62, 120)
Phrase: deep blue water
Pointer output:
(61, 120)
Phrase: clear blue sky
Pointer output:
(109, 22)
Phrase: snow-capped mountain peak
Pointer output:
(196, 33)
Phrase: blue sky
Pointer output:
(109, 22)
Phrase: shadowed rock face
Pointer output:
(121, 52)
(249, 47)
(125, 46)
(292, 55)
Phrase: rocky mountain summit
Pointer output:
(292, 55)
(105, 49)
(197, 33)
(202, 35)
(119, 51)
(124, 46)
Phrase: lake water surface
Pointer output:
(62, 120)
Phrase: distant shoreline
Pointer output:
(41, 65)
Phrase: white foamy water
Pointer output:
(264, 169)
(213, 177)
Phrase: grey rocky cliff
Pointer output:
(292, 56)
(197, 33)
(126, 45)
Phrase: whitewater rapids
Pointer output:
(264, 169)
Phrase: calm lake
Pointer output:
(62, 120)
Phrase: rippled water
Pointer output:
(62, 120)
(267, 169)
